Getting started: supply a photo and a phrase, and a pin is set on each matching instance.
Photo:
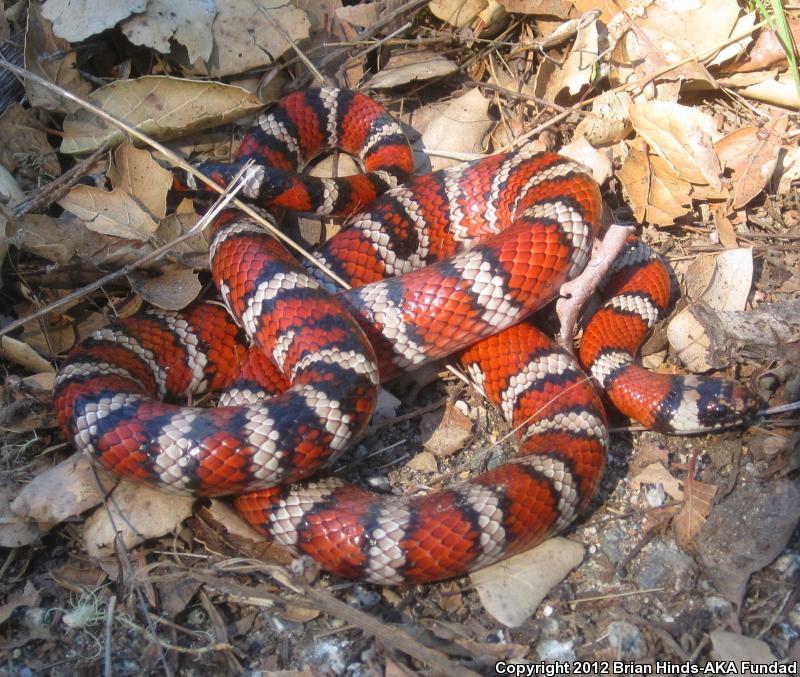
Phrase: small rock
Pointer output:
(555, 651)
(662, 566)
(613, 541)
(424, 462)
(386, 406)
(626, 640)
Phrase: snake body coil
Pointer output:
(446, 262)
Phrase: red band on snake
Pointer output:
(449, 261)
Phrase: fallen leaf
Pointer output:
(780, 91)
(669, 196)
(187, 22)
(28, 597)
(746, 531)
(76, 21)
(20, 353)
(608, 121)
(582, 151)
(457, 13)
(562, 9)
(635, 175)
(655, 473)
(682, 136)
(694, 511)
(716, 281)
(751, 154)
(460, 127)
(40, 47)
(109, 212)
(767, 51)
(578, 68)
(138, 174)
(161, 106)
(445, 432)
(139, 512)
(15, 530)
(408, 67)
(511, 590)
(171, 290)
(246, 37)
(63, 491)
(24, 144)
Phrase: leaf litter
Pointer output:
(691, 124)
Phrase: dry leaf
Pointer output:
(683, 136)
(187, 22)
(780, 91)
(138, 174)
(139, 513)
(689, 521)
(63, 491)
(109, 212)
(655, 473)
(28, 597)
(767, 51)
(15, 530)
(445, 432)
(608, 121)
(752, 155)
(408, 67)
(511, 590)
(635, 175)
(578, 68)
(717, 281)
(171, 290)
(40, 46)
(20, 353)
(460, 127)
(23, 143)
(457, 13)
(76, 21)
(163, 107)
(581, 151)
(245, 35)
(669, 195)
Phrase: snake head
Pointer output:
(725, 404)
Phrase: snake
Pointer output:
(449, 264)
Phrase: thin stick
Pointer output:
(236, 185)
(291, 42)
(112, 604)
(175, 159)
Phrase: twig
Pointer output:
(57, 187)
(311, 67)
(391, 636)
(175, 159)
(154, 255)
(112, 604)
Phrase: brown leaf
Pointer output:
(695, 509)
(40, 47)
(138, 174)
(63, 491)
(751, 154)
(107, 212)
(171, 290)
(412, 66)
(635, 175)
(139, 513)
(512, 589)
(161, 106)
(669, 196)
(683, 137)
(24, 144)
(78, 21)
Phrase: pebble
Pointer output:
(626, 641)
(662, 566)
